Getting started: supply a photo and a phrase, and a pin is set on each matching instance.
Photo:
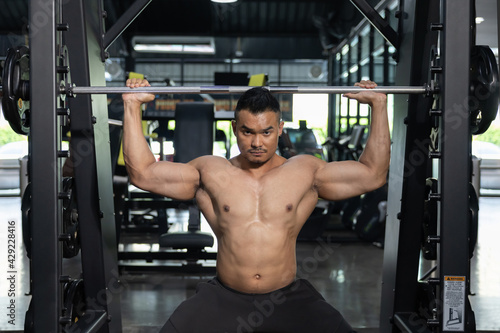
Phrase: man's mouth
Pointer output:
(257, 152)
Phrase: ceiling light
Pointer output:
(479, 20)
(224, 1)
(174, 44)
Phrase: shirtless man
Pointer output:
(256, 203)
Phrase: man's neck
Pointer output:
(257, 169)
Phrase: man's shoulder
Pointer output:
(305, 159)
(210, 160)
(305, 164)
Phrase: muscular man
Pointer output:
(256, 203)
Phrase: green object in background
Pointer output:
(491, 135)
(8, 135)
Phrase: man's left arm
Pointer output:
(345, 179)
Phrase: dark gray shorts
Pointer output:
(297, 307)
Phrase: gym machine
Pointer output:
(430, 164)
(432, 207)
(190, 117)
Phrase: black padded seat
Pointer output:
(187, 240)
(193, 238)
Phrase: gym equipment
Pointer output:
(91, 167)
(70, 237)
(16, 85)
(15, 88)
(25, 213)
(194, 117)
(349, 147)
(474, 219)
(348, 211)
(399, 296)
(315, 225)
(71, 232)
(369, 221)
(74, 302)
(429, 224)
(484, 88)
(415, 157)
(75, 90)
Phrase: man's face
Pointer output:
(257, 135)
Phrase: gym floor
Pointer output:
(347, 273)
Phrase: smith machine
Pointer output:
(447, 90)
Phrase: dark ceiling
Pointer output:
(262, 28)
(261, 18)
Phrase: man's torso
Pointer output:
(256, 219)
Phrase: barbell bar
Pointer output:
(75, 90)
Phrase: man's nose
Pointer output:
(257, 141)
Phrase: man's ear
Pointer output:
(280, 128)
(233, 125)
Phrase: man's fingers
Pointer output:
(366, 84)
(134, 83)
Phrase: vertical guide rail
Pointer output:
(454, 174)
(92, 171)
(45, 168)
(113, 287)
(416, 170)
(391, 272)
(82, 147)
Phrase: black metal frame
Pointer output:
(45, 171)
(417, 170)
(79, 25)
(410, 305)
(381, 24)
(455, 168)
(123, 22)
(396, 175)
(86, 146)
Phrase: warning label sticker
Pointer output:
(454, 303)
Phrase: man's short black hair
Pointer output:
(257, 100)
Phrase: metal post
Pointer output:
(455, 167)
(396, 171)
(82, 147)
(416, 171)
(45, 169)
(112, 285)
(92, 172)
(408, 171)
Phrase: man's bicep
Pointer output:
(342, 180)
(173, 180)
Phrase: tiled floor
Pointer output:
(348, 274)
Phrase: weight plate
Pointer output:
(15, 88)
(484, 89)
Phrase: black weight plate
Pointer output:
(15, 78)
(484, 89)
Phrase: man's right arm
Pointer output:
(173, 180)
